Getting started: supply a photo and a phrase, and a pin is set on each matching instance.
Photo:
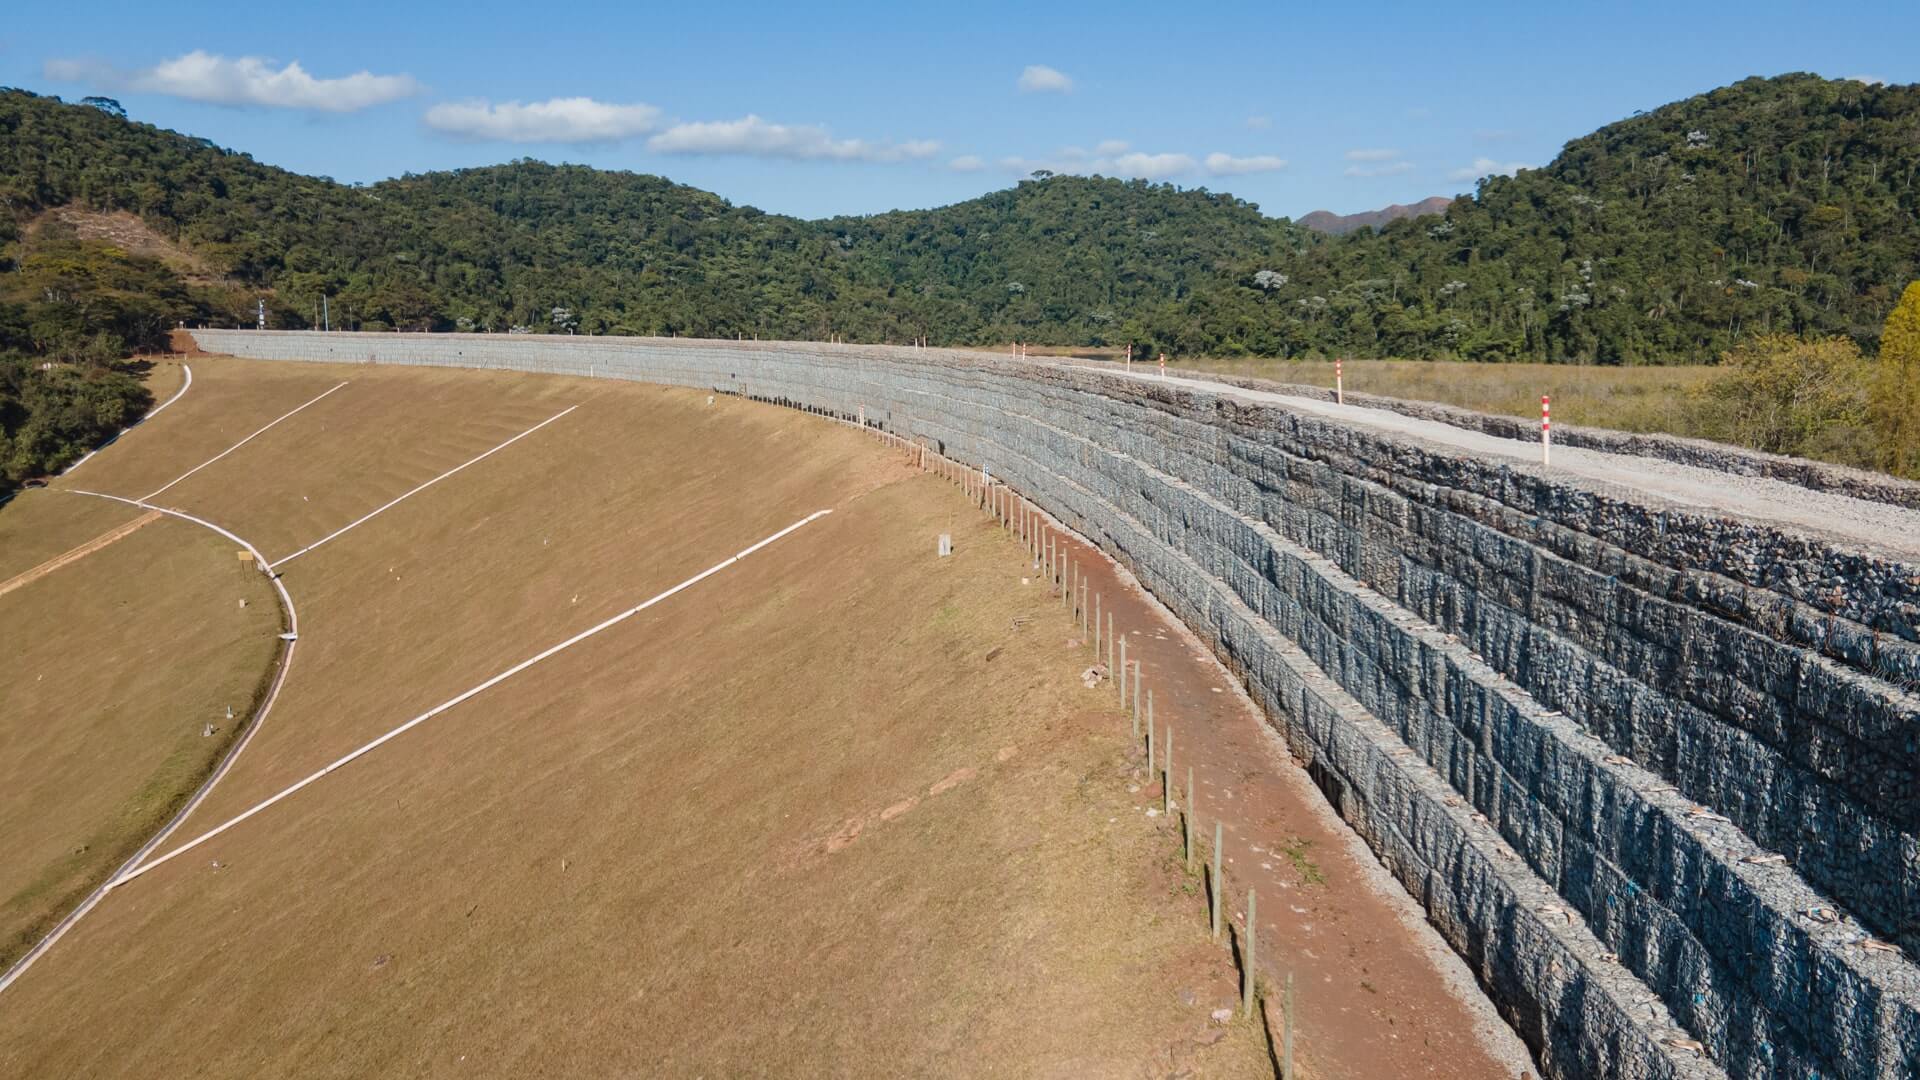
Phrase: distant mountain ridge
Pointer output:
(1776, 204)
(1332, 224)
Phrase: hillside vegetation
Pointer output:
(1774, 205)
(1783, 206)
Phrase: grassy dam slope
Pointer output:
(1646, 759)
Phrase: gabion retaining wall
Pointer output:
(1576, 726)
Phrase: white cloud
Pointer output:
(1041, 79)
(1372, 155)
(1487, 167)
(1074, 159)
(1259, 123)
(1391, 169)
(245, 80)
(1151, 166)
(966, 163)
(1109, 147)
(752, 136)
(560, 120)
(1227, 165)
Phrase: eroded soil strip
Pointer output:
(28, 577)
(1378, 992)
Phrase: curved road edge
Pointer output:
(151, 413)
(259, 717)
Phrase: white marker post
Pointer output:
(1546, 429)
(1339, 383)
(1163, 366)
(1129, 357)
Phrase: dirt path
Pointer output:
(1891, 528)
(1379, 993)
(28, 577)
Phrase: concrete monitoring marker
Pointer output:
(946, 544)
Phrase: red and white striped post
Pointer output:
(1339, 382)
(1163, 365)
(1546, 429)
(1129, 357)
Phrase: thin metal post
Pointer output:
(1096, 626)
(1112, 672)
(1120, 679)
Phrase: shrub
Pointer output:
(1788, 395)
(1895, 400)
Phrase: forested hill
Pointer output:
(1773, 204)
(1785, 204)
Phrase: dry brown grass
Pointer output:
(1640, 399)
(113, 664)
(707, 841)
(39, 525)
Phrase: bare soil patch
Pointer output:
(1379, 993)
(129, 233)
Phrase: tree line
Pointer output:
(1782, 206)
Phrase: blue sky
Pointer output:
(858, 108)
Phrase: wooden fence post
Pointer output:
(1219, 836)
(1286, 1039)
(1246, 970)
(1189, 819)
(1166, 783)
